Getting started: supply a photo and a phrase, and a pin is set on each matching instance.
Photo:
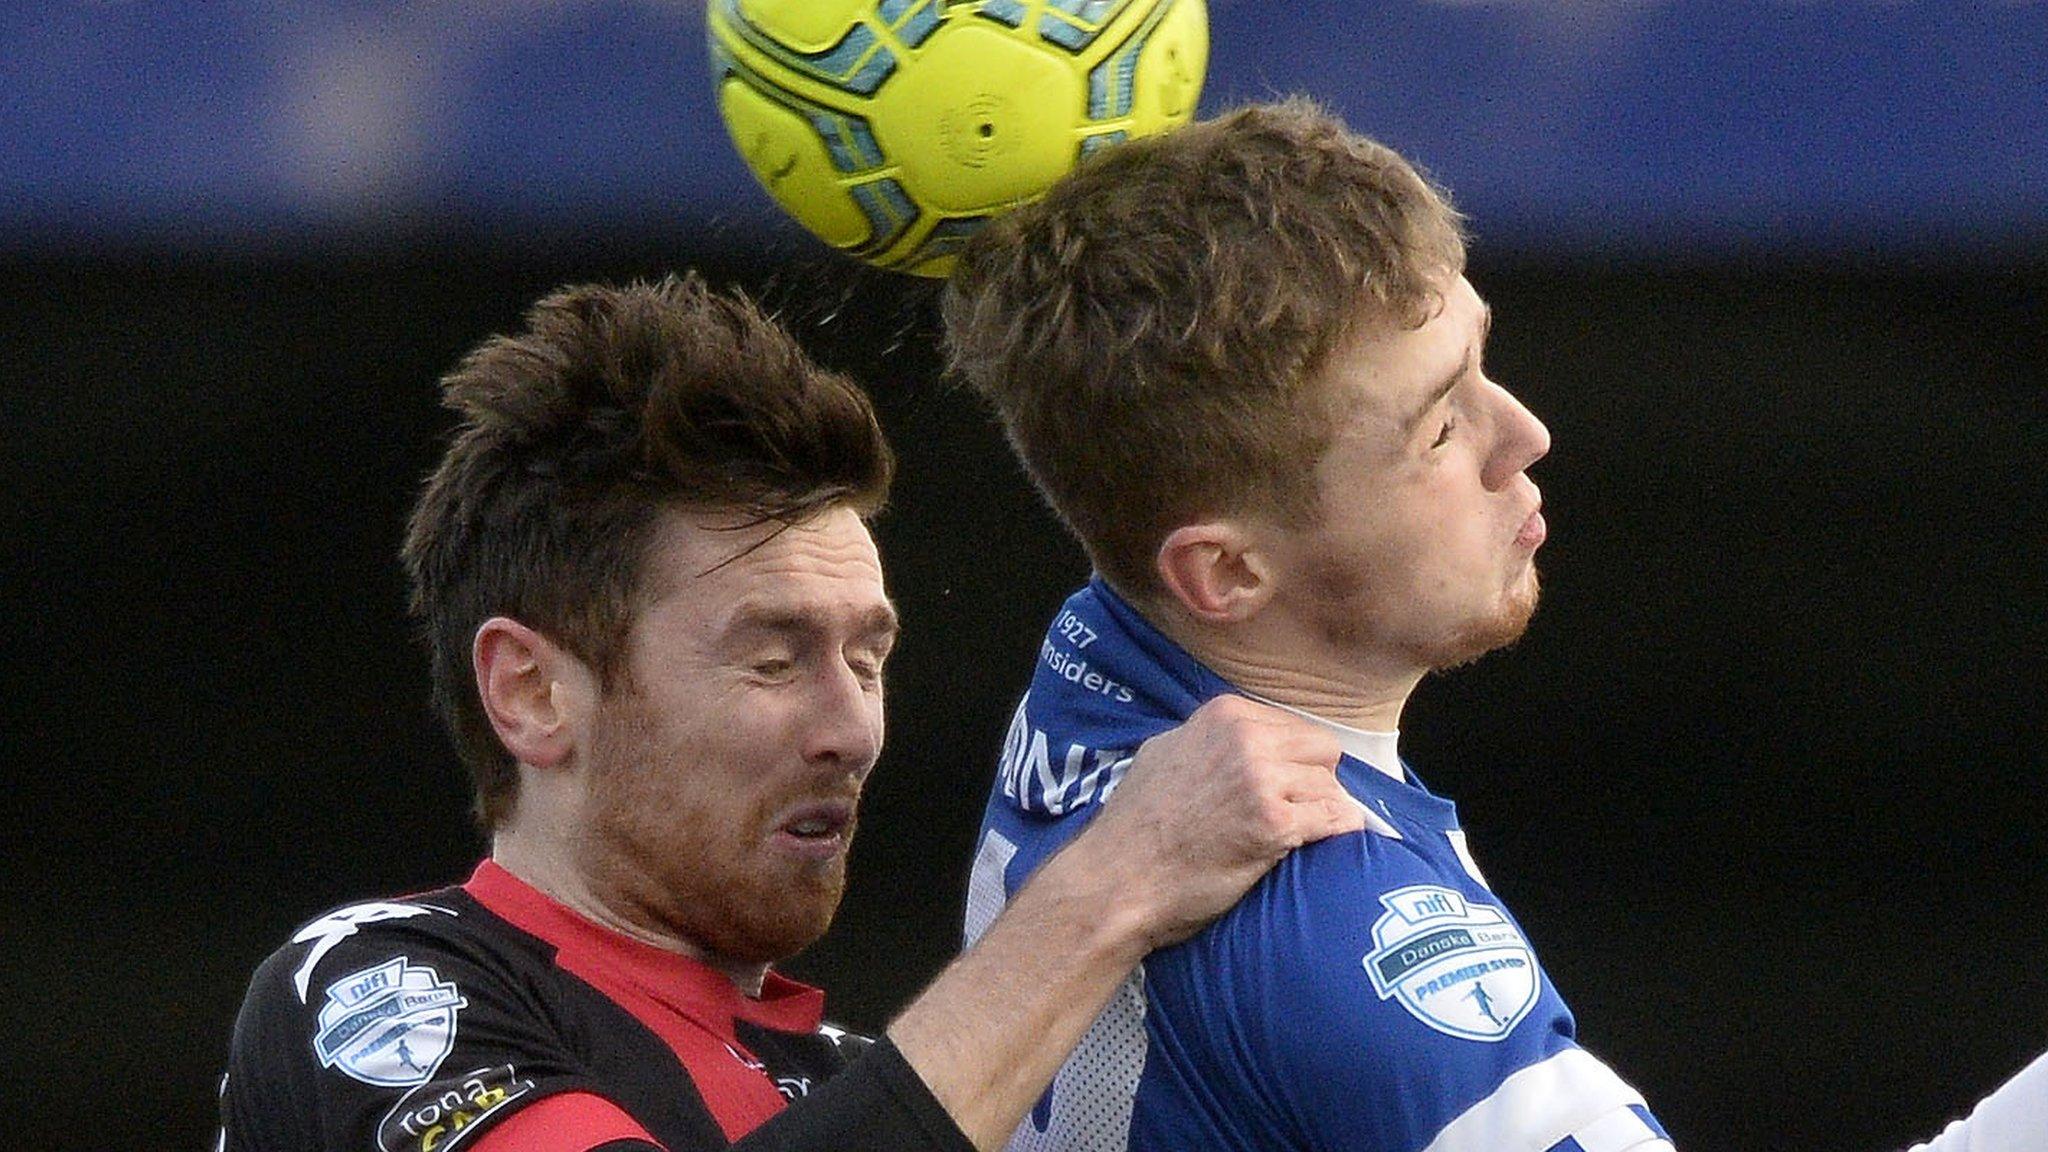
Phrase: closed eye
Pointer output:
(1443, 436)
(867, 663)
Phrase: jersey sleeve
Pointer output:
(1360, 998)
(578, 1120)
(381, 1028)
(2012, 1119)
(878, 1104)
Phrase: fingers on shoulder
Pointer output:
(1262, 735)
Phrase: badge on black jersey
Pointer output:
(390, 1024)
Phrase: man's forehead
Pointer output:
(1392, 367)
(1459, 317)
(717, 553)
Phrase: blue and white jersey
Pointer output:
(1370, 993)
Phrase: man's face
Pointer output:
(725, 768)
(1423, 555)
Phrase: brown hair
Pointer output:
(1148, 331)
(613, 405)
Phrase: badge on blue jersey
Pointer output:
(389, 1025)
(1462, 968)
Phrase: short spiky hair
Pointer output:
(612, 406)
(1149, 331)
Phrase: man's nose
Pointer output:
(845, 725)
(1520, 439)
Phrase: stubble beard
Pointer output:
(680, 867)
(1490, 633)
(1358, 623)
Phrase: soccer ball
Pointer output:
(893, 128)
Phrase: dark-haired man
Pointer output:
(658, 627)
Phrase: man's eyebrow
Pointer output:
(882, 620)
(1442, 388)
(790, 619)
(1437, 392)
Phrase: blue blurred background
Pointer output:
(1765, 781)
(1844, 125)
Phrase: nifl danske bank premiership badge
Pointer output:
(389, 1025)
(1464, 969)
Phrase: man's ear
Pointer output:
(539, 697)
(1214, 571)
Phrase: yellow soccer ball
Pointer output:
(893, 128)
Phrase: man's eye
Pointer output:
(868, 668)
(772, 669)
(1444, 436)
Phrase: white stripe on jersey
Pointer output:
(985, 895)
(1571, 1095)
(1619, 1131)
(2012, 1119)
(1096, 1090)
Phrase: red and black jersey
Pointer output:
(489, 1018)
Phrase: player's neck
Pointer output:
(1296, 672)
(1378, 747)
(542, 862)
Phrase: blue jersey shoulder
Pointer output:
(1370, 993)
(1368, 986)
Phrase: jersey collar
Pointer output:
(602, 955)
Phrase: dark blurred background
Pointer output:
(1764, 781)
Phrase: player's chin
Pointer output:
(1519, 607)
(785, 921)
(1523, 594)
(1492, 632)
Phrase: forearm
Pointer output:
(1174, 848)
(2012, 1119)
(990, 1032)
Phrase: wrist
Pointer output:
(1102, 906)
